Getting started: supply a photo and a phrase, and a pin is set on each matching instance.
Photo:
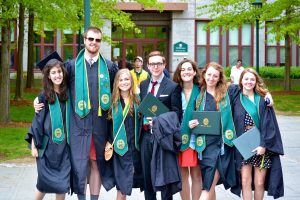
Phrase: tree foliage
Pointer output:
(234, 13)
(283, 15)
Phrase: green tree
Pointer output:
(284, 15)
(19, 79)
(53, 14)
(8, 14)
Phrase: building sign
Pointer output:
(180, 48)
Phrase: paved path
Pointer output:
(17, 181)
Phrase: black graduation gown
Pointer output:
(128, 168)
(82, 129)
(212, 159)
(270, 139)
(54, 166)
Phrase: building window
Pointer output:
(70, 44)
(43, 46)
(129, 44)
(208, 46)
(275, 51)
(240, 45)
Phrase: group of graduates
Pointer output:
(88, 102)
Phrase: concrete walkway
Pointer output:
(17, 180)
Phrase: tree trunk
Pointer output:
(30, 75)
(5, 79)
(19, 80)
(287, 78)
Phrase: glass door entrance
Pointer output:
(131, 45)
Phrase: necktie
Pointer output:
(91, 61)
(153, 87)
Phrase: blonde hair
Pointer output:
(259, 87)
(221, 87)
(116, 95)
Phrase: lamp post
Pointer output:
(87, 9)
(257, 4)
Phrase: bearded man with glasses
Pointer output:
(90, 80)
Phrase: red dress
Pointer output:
(188, 158)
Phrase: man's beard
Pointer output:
(92, 50)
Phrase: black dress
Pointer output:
(212, 159)
(270, 139)
(54, 166)
(128, 168)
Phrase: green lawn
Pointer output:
(12, 143)
(23, 111)
(287, 104)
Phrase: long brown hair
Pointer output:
(177, 74)
(221, 87)
(48, 84)
(116, 95)
(260, 86)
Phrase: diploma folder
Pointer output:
(151, 106)
(209, 122)
(247, 142)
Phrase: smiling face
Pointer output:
(92, 42)
(156, 66)
(124, 83)
(212, 76)
(187, 73)
(248, 81)
(56, 75)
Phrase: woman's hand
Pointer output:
(260, 150)
(37, 106)
(193, 123)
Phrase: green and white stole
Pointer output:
(119, 115)
(252, 107)
(57, 126)
(228, 129)
(187, 116)
(82, 96)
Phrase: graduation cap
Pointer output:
(44, 62)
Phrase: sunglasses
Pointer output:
(93, 39)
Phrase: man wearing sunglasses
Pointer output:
(90, 80)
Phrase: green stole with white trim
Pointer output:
(121, 144)
(57, 126)
(228, 129)
(187, 116)
(251, 107)
(82, 96)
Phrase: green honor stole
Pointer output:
(228, 130)
(82, 96)
(119, 131)
(251, 107)
(187, 115)
(57, 126)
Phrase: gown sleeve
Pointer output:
(233, 92)
(270, 133)
(36, 130)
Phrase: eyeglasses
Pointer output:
(156, 64)
(93, 39)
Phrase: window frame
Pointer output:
(240, 46)
(207, 45)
